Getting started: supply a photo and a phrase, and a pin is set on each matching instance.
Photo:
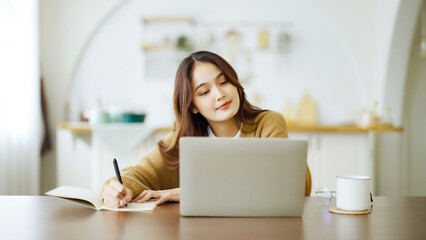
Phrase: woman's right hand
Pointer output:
(116, 195)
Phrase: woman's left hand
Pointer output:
(171, 195)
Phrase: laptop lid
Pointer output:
(242, 177)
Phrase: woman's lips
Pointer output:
(224, 106)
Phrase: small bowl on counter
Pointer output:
(98, 116)
(131, 117)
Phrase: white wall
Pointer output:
(414, 118)
(367, 26)
(111, 68)
(345, 46)
(357, 23)
(398, 56)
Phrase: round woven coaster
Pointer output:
(349, 212)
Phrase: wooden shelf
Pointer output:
(159, 19)
(84, 127)
(343, 129)
(76, 127)
(158, 46)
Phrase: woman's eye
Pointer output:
(204, 93)
(224, 82)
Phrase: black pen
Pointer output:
(117, 172)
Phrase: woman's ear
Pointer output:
(194, 111)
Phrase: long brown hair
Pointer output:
(188, 123)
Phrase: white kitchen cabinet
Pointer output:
(333, 154)
(73, 158)
(85, 155)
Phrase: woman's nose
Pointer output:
(220, 93)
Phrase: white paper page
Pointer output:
(134, 207)
(95, 198)
(91, 196)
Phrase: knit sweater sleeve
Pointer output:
(150, 173)
(273, 125)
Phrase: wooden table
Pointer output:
(40, 217)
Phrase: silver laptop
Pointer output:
(244, 177)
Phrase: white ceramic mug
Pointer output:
(353, 192)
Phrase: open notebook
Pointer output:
(93, 199)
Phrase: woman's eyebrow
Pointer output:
(219, 75)
(202, 84)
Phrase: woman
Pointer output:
(208, 101)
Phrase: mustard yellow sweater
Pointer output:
(152, 173)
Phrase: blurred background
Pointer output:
(82, 82)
